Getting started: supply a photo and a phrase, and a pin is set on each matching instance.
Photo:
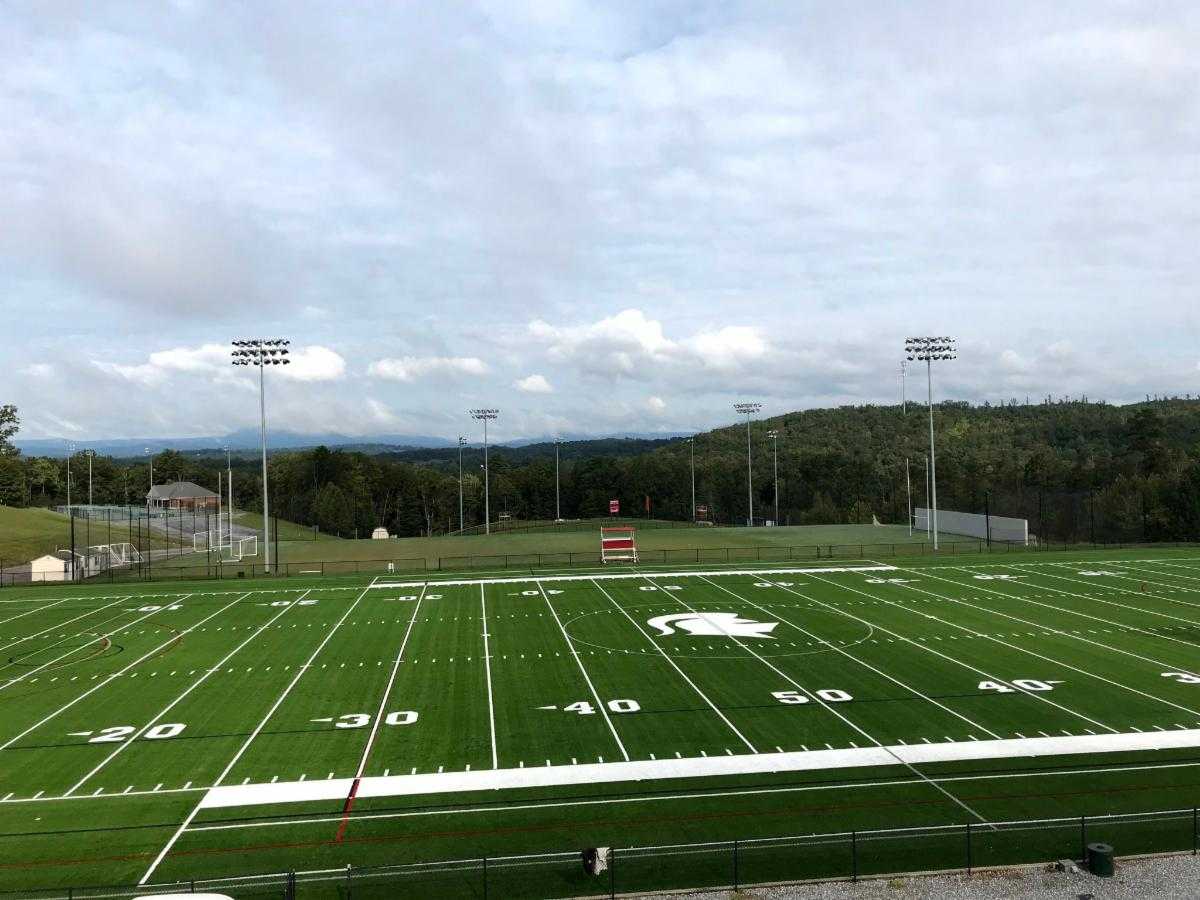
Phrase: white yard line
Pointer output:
(1091, 598)
(109, 678)
(387, 691)
(128, 742)
(78, 649)
(600, 704)
(819, 701)
(1041, 627)
(854, 658)
(938, 653)
(30, 612)
(602, 576)
(487, 664)
(703, 696)
(1161, 574)
(254, 734)
(907, 755)
(90, 612)
(1058, 609)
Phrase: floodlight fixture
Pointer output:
(939, 348)
(262, 352)
(485, 415)
(748, 410)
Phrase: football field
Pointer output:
(151, 734)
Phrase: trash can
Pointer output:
(1100, 860)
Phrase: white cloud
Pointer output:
(410, 368)
(533, 384)
(656, 404)
(38, 370)
(633, 345)
(314, 363)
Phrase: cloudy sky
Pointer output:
(598, 217)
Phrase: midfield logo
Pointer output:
(712, 624)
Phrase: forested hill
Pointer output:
(1074, 469)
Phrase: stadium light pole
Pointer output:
(557, 496)
(774, 436)
(927, 350)
(692, 445)
(748, 410)
(70, 453)
(89, 453)
(903, 387)
(261, 352)
(461, 443)
(229, 488)
(485, 415)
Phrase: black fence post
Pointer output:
(612, 872)
(968, 848)
(735, 865)
(1083, 838)
(485, 885)
(1195, 823)
(854, 856)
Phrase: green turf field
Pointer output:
(193, 731)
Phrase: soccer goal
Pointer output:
(618, 544)
(203, 541)
(114, 555)
(243, 547)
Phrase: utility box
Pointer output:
(1100, 860)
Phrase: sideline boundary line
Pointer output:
(642, 770)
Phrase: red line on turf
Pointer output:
(346, 808)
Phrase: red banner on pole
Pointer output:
(614, 507)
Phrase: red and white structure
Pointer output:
(618, 544)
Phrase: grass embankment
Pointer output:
(288, 531)
(27, 533)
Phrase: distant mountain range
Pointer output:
(246, 440)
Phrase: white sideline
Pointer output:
(611, 576)
(694, 767)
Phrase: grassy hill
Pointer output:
(288, 531)
(28, 533)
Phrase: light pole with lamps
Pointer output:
(748, 410)
(927, 350)
(261, 352)
(485, 415)
(774, 436)
(461, 443)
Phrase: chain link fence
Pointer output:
(157, 567)
(720, 865)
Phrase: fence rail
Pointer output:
(716, 865)
(166, 570)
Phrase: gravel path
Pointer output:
(1162, 877)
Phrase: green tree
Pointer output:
(10, 424)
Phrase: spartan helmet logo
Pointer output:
(712, 624)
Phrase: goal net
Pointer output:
(247, 546)
(618, 544)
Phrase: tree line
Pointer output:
(1077, 470)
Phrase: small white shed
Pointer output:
(49, 568)
(379, 534)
